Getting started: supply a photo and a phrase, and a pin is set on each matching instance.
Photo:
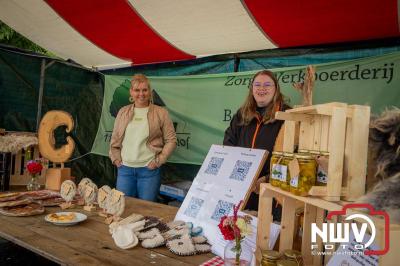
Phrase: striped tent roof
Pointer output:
(115, 33)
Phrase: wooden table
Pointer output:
(90, 243)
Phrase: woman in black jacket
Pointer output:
(254, 124)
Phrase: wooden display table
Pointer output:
(90, 243)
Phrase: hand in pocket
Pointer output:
(152, 165)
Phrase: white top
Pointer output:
(135, 152)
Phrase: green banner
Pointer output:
(201, 106)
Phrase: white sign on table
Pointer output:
(222, 182)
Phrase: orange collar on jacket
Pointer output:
(259, 119)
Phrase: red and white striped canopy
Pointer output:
(113, 33)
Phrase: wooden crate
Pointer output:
(340, 129)
(18, 174)
(314, 212)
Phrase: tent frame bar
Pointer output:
(41, 89)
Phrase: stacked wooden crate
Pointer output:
(342, 130)
(19, 175)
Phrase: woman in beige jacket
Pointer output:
(142, 140)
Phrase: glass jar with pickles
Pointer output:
(286, 263)
(301, 184)
(285, 177)
(270, 257)
(276, 168)
(303, 151)
(293, 255)
(322, 176)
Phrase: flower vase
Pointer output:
(237, 253)
(33, 184)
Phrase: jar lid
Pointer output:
(303, 151)
(288, 154)
(277, 153)
(271, 254)
(292, 254)
(303, 156)
(286, 263)
(325, 153)
(315, 152)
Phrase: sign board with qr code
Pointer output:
(225, 177)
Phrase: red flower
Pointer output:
(34, 167)
(226, 230)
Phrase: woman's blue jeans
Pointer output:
(139, 182)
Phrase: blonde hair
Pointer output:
(248, 109)
(138, 79)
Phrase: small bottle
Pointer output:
(28, 154)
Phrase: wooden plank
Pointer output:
(322, 109)
(22, 178)
(263, 223)
(316, 144)
(11, 232)
(287, 224)
(289, 138)
(317, 260)
(317, 108)
(328, 256)
(103, 248)
(165, 212)
(47, 248)
(306, 135)
(336, 152)
(90, 243)
(15, 179)
(322, 191)
(325, 124)
(40, 244)
(278, 146)
(310, 213)
(347, 151)
(357, 159)
(277, 192)
(293, 116)
(101, 245)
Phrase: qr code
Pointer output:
(194, 207)
(222, 208)
(240, 171)
(214, 165)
